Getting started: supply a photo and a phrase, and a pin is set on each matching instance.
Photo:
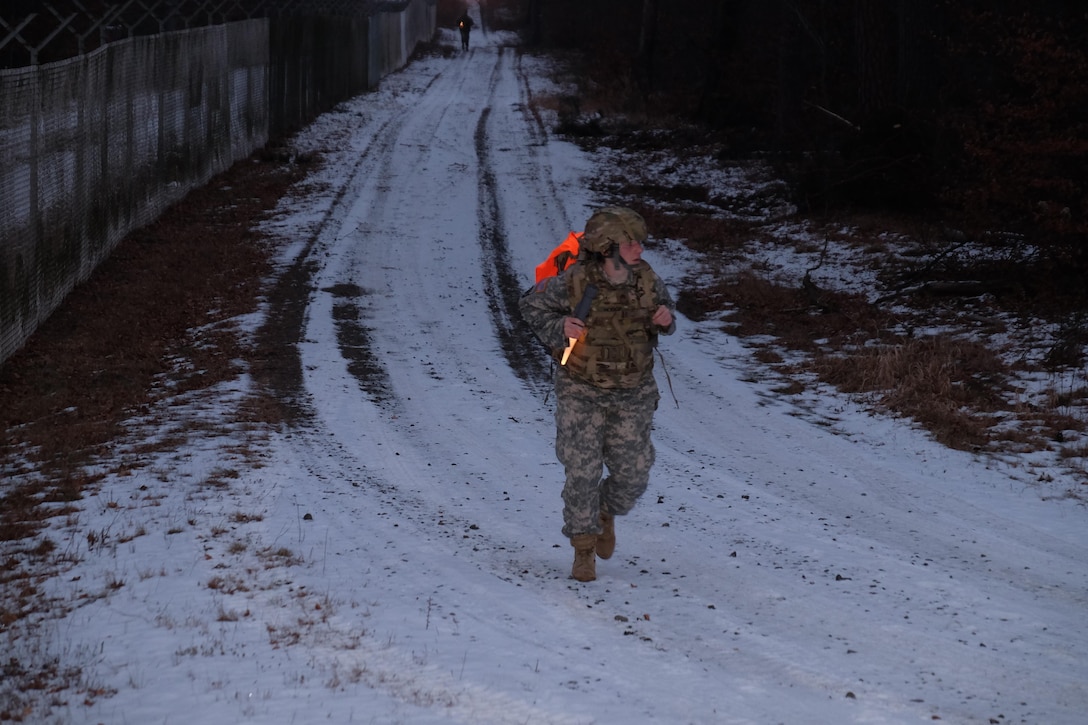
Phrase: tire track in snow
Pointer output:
(349, 313)
(291, 298)
(517, 341)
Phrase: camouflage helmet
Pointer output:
(613, 225)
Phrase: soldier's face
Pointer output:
(630, 252)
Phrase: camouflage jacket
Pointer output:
(617, 349)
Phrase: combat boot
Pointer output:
(585, 558)
(606, 540)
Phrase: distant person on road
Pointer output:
(464, 24)
(605, 390)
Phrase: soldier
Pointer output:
(464, 24)
(605, 390)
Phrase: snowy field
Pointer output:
(397, 558)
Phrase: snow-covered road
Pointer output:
(397, 557)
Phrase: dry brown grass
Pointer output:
(952, 384)
(124, 341)
(152, 325)
(949, 386)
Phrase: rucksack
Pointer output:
(560, 258)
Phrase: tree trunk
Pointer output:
(535, 34)
(872, 42)
(647, 40)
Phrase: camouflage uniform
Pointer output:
(594, 428)
(597, 426)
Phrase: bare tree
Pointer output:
(872, 41)
(647, 40)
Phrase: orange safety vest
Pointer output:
(560, 258)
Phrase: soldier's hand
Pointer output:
(662, 316)
(573, 327)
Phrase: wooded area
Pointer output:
(968, 113)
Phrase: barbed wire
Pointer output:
(43, 31)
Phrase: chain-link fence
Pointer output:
(97, 145)
(45, 31)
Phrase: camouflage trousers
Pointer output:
(598, 428)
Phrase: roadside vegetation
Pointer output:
(971, 334)
(155, 325)
(913, 225)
